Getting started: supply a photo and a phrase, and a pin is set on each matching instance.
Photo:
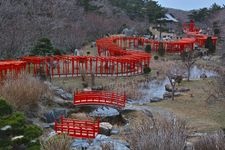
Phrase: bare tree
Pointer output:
(189, 59)
(174, 74)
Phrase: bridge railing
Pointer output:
(77, 128)
(100, 98)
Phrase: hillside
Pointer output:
(181, 15)
(219, 19)
(68, 23)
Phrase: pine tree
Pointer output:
(209, 45)
(43, 47)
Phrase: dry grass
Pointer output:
(159, 134)
(24, 91)
(129, 85)
(211, 142)
(59, 142)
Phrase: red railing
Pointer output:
(99, 98)
(76, 128)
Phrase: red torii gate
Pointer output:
(192, 31)
(11, 67)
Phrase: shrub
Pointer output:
(57, 52)
(32, 132)
(146, 70)
(148, 49)
(58, 142)
(5, 109)
(16, 121)
(211, 142)
(160, 133)
(23, 92)
(216, 31)
(161, 50)
(156, 57)
(18, 125)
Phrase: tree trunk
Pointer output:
(173, 90)
(189, 72)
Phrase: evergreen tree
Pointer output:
(209, 45)
(43, 47)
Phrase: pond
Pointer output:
(155, 89)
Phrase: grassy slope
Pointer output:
(200, 115)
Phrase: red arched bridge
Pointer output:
(77, 128)
(100, 98)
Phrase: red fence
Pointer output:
(77, 129)
(99, 98)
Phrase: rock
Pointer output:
(155, 99)
(101, 140)
(6, 128)
(49, 117)
(100, 137)
(95, 147)
(168, 88)
(97, 88)
(17, 137)
(189, 146)
(115, 132)
(63, 94)
(207, 58)
(79, 144)
(51, 134)
(169, 94)
(105, 128)
(59, 112)
(183, 89)
(53, 115)
(104, 112)
(203, 76)
(87, 89)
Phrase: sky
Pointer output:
(189, 4)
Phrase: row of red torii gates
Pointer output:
(115, 59)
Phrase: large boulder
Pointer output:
(97, 88)
(79, 144)
(54, 114)
(155, 99)
(183, 89)
(168, 88)
(63, 94)
(105, 128)
(203, 76)
(104, 112)
(101, 140)
(169, 95)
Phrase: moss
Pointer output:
(5, 109)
